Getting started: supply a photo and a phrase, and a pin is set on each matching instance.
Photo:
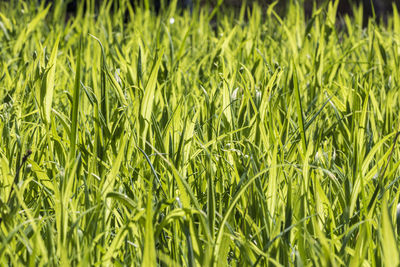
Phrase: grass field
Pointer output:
(211, 138)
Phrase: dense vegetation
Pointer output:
(211, 137)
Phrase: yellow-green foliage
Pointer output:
(207, 138)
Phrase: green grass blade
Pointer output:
(48, 98)
(75, 104)
(149, 91)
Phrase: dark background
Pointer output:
(381, 8)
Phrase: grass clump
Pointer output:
(203, 138)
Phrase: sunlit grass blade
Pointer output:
(50, 78)
(388, 240)
(149, 90)
(149, 252)
(75, 104)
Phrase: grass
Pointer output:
(217, 138)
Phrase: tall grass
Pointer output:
(214, 138)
